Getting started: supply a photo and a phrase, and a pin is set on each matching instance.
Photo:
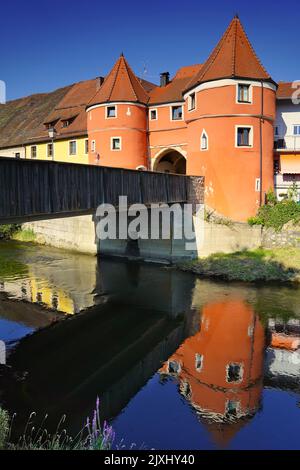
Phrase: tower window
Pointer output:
(198, 362)
(33, 151)
(244, 137)
(72, 147)
(174, 367)
(192, 101)
(204, 141)
(176, 113)
(115, 143)
(111, 112)
(153, 114)
(244, 93)
(234, 373)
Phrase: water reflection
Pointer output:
(220, 368)
(145, 337)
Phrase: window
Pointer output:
(174, 367)
(232, 407)
(244, 93)
(93, 146)
(17, 155)
(111, 111)
(86, 146)
(244, 137)
(65, 123)
(72, 147)
(177, 113)
(257, 185)
(192, 101)
(234, 373)
(198, 362)
(204, 141)
(33, 151)
(276, 131)
(297, 129)
(153, 114)
(115, 143)
(50, 150)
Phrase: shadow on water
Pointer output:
(155, 344)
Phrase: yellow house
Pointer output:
(74, 150)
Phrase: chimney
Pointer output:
(100, 80)
(164, 78)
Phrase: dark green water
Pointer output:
(178, 362)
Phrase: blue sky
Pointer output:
(48, 44)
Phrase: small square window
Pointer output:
(17, 155)
(33, 151)
(65, 123)
(243, 136)
(153, 114)
(86, 146)
(234, 373)
(111, 112)
(243, 93)
(232, 407)
(177, 113)
(72, 147)
(116, 143)
(192, 101)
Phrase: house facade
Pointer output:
(287, 139)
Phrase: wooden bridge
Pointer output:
(37, 189)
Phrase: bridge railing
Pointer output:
(33, 188)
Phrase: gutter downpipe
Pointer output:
(261, 146)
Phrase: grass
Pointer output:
(26, 235)
(280, 265)
(93, 436)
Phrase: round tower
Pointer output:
(117, 120)
(230, 116)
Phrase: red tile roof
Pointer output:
(121, 84)
(173, 91)
(285, 90)
(234, 56)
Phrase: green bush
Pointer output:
(275, 214)
(6, 231)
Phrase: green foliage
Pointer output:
(27, 235)
(6, 231)
(275, 214)
(4, 427)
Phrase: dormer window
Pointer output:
(65, 123)
(111, 111)
(244, 93)
(204, 141)
(176, 113)
(192, 101)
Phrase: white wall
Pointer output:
(287, 115)
(11, 152)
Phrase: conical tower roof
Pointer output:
(233, 57)
(121, 84)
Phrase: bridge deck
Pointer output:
(38, 189)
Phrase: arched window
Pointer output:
(204, 141)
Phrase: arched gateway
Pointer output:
(170, 161)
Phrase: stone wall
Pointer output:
(288, 237)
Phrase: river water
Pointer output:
(178, 362)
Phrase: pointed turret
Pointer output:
(121, 84)
(233, 57)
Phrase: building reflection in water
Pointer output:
(220, 368)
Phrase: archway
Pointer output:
(170, 161)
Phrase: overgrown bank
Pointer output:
(261, 265)
(15, 232)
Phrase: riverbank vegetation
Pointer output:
(15, 232)
(93, 436)
(8, 230)
(280, 265)
(275, 214)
